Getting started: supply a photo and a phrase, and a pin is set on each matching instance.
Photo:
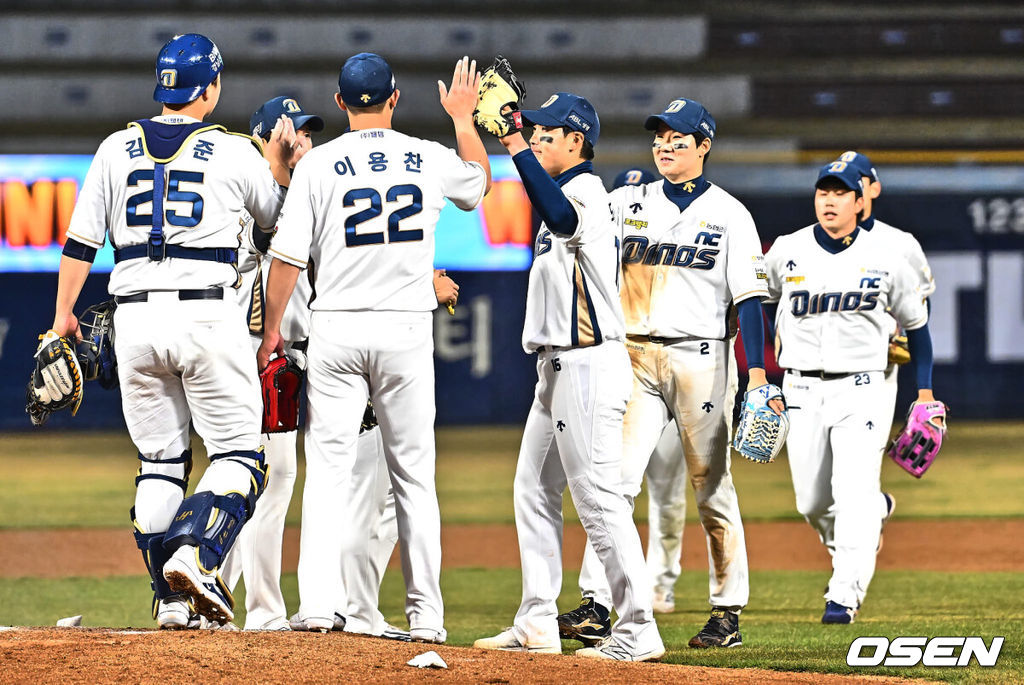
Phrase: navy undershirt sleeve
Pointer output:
(79, 251)
(771, 310)
(551, 204)
(261, 239)
(751, 321)
(920, 343)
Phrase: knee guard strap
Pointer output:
(155, 556)
(259, 472)
(185, 459)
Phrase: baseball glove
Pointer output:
(761, 432)
(899, 349)
(56, 381)
(280, 384)
(915, 447)
(498, 100)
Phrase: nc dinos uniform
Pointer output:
(362, 210)
(683, 272)
(832, 338)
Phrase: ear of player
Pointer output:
(915, 447)
(761, 432)
(498, 100)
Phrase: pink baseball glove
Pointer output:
(917, 445)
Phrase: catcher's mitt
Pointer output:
(899, 349)
(761, 432)
(56, 381)
(915, 447)
(280, 384)
(497, 102)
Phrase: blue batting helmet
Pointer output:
(187, 64)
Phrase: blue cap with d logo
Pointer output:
(262, 121)
(365, 80)
(685, 116)
(844, 172)
(566, 109)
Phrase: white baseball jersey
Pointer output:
(573, 298)
(905, 244)
(832, 307)
(363, 208)
(683, 271)
(214, 177)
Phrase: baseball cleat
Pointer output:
(589, 623)
(664, 601)
(428, 635)
(721, 630)
(279, 623)
(507, 641)
(612, 650)
(174, 613)
(395, 633)
(837, 613)
(209, 596)
(890, 507)
(311, 624)
(339, 622)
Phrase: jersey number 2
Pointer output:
(411, 207)
(174, 194)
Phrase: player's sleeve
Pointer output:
(905, 302)
(262, 196)
(294, 234)
(773, 278)
(462, 182)
(917, 259)
(745, 273)
(89, 220)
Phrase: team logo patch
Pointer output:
(675, 106)
(551, 101)
(365, 97)
(712, 227)
(291, 106)
(168, 78)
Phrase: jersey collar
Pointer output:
(569, 174)
(683, 194)
(868, 223)
(174, 119)
(834, 245)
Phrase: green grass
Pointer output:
(781, 627)
(86, 479)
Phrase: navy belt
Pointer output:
(658, 340)
(221, 255)
(207, 294)
(823, 375)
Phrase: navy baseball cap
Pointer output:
(365, 80)
(566, 109)
(685, 116)
(633, 177)
(186, 66)
(846, 173)
(860, 162)
(262, 121)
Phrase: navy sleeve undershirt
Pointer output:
(79, 251)
(751, 321)
(920, 343)
(545, 195)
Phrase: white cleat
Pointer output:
(395, 633)
(209, 596)
(428, 635)
(173, 614)
(664, 601)
(507, 641)
(613, 651)
(312, 624)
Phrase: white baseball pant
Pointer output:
(666, 510)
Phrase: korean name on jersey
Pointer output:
(832, 313)
(572, 299)
(363, 208)
(682, 271)
(214, 177)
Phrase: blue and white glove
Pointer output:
(761, 432)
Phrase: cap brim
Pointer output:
(652, 122)
(315, 123)
(846, 184)
(538, 117)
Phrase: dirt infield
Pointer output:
(928, 545)
(77, 655)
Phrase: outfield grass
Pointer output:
(781, 627)
(86, 479)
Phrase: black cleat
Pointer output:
(589, 623)
(721, 630)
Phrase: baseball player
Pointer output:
(666, 484)
(363, 209)
(691, 265)
(257, 553)
(838, 289)
(574, 430)
(169, 190)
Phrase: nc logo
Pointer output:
(291, 106)
(168, 78)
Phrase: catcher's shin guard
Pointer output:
(211, 522)
(155, 556)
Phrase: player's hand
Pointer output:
(273, 343)
(282, 141)
(66, 326)
(460, 99)
(446, 290)
(759, 378)
(926, 396)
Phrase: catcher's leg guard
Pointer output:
(155, 556)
